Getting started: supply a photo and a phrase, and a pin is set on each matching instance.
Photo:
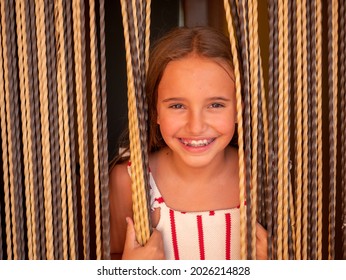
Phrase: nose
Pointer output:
(196, 122)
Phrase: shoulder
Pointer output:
(119, 175)
(120, 187)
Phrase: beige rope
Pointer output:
(305, 135)
(281, 131)
(4, 133)
(299, 132)
(137, 186)
(93, 58)
(286, 140)
(240, 131)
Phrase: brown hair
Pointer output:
(180, 42)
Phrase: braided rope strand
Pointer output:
(139, 207)
(5, 132)
(305, 135)
(53, 127)
(65, 165)
(240, 130)
(342, 60)
(286, 144)
(332, 82)
(269, 187)
(299, 132)
(318, 26)
(25, 109)
(104, 168)
(38, 165)
(78, 31)
(72, 194)
(96, 123)
(314, 217)
(281, 92)
(43, 86)
(253, 50)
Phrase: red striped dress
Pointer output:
(206, 235)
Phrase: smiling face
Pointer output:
(196, 109)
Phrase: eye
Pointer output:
(177, 106)
(216, 105)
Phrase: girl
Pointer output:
(193, 163)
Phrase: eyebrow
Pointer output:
(214, 98)
(219, 98)
(173, 99)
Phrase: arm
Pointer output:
(120, 207)
(122, 233)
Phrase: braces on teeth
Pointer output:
(197, 143)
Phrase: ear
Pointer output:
(158, 119)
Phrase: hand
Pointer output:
(152, 250)
(261, 243)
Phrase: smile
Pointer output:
(196, 143)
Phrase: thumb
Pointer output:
(130, 240)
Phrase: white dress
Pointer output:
(206, 235)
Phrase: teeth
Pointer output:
(196, 143)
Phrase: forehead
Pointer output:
(195, 61)
(196, 66)
(196, 75)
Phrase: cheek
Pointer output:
(167, 126)
(226, 124)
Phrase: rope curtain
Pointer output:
(53, 116)
(136, 32)
(281, 150)
(55, 185)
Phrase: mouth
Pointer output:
(196, 142)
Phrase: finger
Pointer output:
(155, 237)
(155, 242)
(261, 232)
(130, 241)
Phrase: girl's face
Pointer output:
(196, 109)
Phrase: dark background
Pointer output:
(164, 16)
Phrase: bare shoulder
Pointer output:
(119, 175)
(120, 205)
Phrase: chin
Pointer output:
(199, 161)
